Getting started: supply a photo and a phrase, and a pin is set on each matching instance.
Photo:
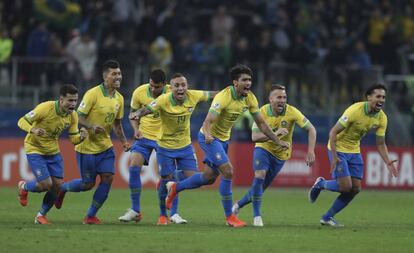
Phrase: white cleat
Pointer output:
(177, 219)
(130, 215)
(257, 221)
(235, 209)
(330, 222)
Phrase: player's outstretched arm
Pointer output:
(265, 129)
(310, 156)
(84, 122)
(119, 131)
(335, 130)
(208, 121)
(383, 151)
(139, 113)
(134, 125)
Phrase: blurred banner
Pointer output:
(295, 173)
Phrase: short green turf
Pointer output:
(376, 221)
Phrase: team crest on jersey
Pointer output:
(344, 118)
(82, 105)
(216, 106)
(284, 123)
(245, 108)
(31, 114)
(218, 156)
(66, 125)
(190, 109)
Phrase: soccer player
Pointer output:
(44, 125)
(175, 151)
(101, 109)
(213, 137)
(146, 134)
(268, 159)
(344, 151)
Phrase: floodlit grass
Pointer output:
(375, 221)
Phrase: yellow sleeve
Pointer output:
(382, 128)
(253, 104)
(88, 101)
(120, 113)
(219, 103)
(300, 119)
(347, 117)
(158, 103)
(26, 122)
(73, 130)
(135, 104)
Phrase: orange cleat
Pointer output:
(233, 221)
(41, 219)
(22, 193)
(163, 220)
(59, 199)
(91, 220)
(172, 193)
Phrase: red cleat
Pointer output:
(91, 220)
(233, 221)
(172, 193)
(163, 220)
(41, 219)
(59, 199)
(22, 193)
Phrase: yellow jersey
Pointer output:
(287, 119)
(175, 118)
(100, 109)
(48, 116)
(357, 122)
(149, 124)
(228, 107)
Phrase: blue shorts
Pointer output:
(170, 160)
(92, 164)
(144, 147)
(44, 166)
(264, 160)
(351, 164)
(216, 152)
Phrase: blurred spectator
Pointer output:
(160, 54)
(6, 46)
(222, 25)
(38, 43)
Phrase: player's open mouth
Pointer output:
(280, 107)
(378, 105)
(117, 81)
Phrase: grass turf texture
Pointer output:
(376, 221)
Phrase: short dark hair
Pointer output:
(158, 76)
(68, 89)
(176, 75)
(277, 87)
(238, 70)
(377, 86)
(110, 64)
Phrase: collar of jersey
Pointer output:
(367, 113)
(164, 89)
(58, 112)
(270, 112)
(105, 92)
(234, 94)
(173, 101)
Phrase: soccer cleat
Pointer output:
(257, 221)
(163, 220)
(131, 215)
(41, 219)
(315, 190)
(331, 222)
(22, 196)
(233, 221)
(59, 199)
(177, 219)
(172, 193)
(91, 220)
(235, 209)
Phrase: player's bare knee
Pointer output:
(168, 177)
(88, 186)
(345, 188)
(107, 178)
(355, 190)
(45, 185)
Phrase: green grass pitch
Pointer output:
(376, 221)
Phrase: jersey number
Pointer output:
(234, 116)
(109, 117)
(181, 119)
